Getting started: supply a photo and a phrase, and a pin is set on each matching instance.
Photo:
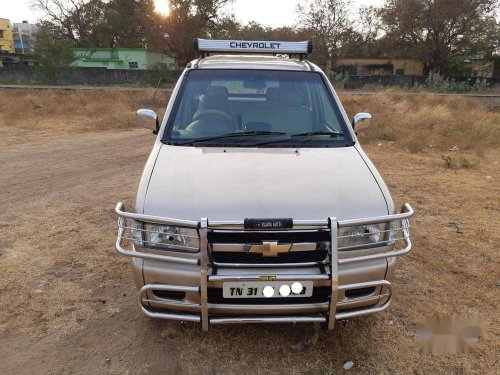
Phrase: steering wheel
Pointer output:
(211, 112)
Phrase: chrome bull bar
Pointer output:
(202, 310)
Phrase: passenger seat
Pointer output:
(289, 115)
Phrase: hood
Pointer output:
(237, 183)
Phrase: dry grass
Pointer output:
(416, 123)
(429, 121)
(58, 263)
(32, 115)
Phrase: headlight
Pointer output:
(167, 237)
(360, 236)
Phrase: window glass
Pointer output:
(287, 104)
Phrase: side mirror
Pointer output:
(361, 120)
(148, 119)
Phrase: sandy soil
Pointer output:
(67, 299)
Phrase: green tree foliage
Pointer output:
(443, 34)
(439, 31)
(52, 52)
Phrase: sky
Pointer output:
(267, 12)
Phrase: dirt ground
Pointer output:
(67, 299)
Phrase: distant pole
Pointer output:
(22, 42)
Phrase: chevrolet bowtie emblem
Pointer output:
(270, 249)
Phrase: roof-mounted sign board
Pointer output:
(253, 46)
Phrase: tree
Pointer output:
(189, 19)
(53, 53)
(74, 20)
(99, 23)
(440, 31)
(126, 23)
(333, 32)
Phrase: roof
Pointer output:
(253, 62)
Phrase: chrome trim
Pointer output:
(334, 273)
(148, 245)
(388, 254)
(267, 319)
(205, 278)
(361, 116)
(239, 224)
(154, 219)
(379, 231)
(369, 310)
(163, 315)
(269, 265)
(214, 278)
(204, 274)
(244, 247)
(142, 255)
(378, 219)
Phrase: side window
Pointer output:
(328, 115)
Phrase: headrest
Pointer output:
(272, 94)
(291, 97)
(217, 91)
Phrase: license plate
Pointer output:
(254, 289)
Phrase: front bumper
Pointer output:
(193, 276)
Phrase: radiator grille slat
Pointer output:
(234, 247)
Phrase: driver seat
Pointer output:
(217, 97)
(206, 120)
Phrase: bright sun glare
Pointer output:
(161, 6)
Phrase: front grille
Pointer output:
(233, 247)
(320, 294)
(258, 237)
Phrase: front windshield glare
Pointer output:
(249, 107)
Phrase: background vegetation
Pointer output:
(440, 33)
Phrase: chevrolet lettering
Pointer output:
(257, 203)
(261, 45)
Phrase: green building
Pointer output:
(121, 58)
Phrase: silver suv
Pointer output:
(257, 203)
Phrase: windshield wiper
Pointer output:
(230, 135)
(331, 134)
(301, 135)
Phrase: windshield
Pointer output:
(255, 108)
